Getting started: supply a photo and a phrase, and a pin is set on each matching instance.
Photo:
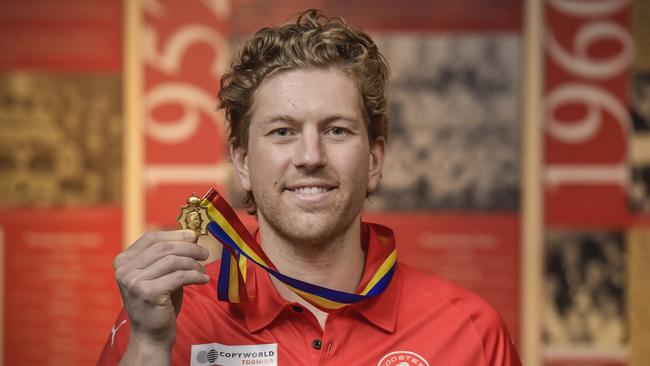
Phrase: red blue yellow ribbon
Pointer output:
(240, 248)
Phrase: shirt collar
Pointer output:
(265, 303)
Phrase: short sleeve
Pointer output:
(117, 342)
(498, 347)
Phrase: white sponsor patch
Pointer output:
(222, 355)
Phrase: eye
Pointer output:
(281, 132)
(338, 131)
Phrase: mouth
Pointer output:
(312, 193)
(309, 191)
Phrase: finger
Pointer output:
(169, 264)
(175, 280)
(168, 248)
(153, 237)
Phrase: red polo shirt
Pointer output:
(417, 320)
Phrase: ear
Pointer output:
(239, 157)
(376, 164)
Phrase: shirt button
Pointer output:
(297, 308)
(317, 343)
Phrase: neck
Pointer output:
(335, 262)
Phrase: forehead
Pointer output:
(304, 94)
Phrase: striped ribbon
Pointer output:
(240, 248)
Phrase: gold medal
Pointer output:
(194, 216)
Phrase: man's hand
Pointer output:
(151, 274)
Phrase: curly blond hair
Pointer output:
(314, 41)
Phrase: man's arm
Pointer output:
(151, 274)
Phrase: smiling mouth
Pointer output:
(310, 190)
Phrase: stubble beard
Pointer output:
(312, 229)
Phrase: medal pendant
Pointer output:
(194, 216)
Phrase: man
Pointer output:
(306, 106)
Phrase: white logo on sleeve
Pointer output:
(222, 355)
(114, 330)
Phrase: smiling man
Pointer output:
(306, 107)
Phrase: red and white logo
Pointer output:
(403, 358)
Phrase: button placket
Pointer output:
(311, 331)
(328, 347)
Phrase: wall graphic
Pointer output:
(454, 123)
(60, 178)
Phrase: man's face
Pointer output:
(308, 161)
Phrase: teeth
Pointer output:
(310, 190)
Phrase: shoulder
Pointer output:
(460, 309)
(433, 288)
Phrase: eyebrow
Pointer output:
(280, 118)
(290, 119)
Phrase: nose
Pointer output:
(310, 153)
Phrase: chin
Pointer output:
(310, 225)
(311, 228)
(311, 238)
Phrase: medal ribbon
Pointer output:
(240, 248)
